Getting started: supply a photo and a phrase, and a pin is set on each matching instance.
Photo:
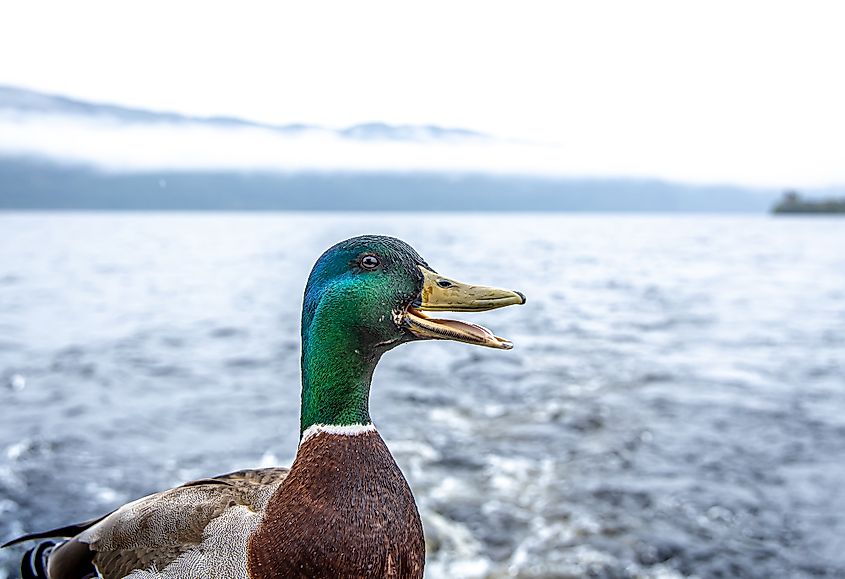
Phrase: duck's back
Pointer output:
(345, 510)
(199, 530)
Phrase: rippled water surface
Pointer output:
(674, 406)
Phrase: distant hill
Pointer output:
(56, 153)
(38, 184)
(24, 101)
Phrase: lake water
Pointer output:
(674, 405)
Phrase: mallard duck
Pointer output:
(343, 509)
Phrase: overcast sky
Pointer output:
(744, 92)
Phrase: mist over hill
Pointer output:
(21, 101)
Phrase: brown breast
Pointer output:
(345, 510)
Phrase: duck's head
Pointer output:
(365, 296)
(377, 290)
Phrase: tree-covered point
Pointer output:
(793, 202)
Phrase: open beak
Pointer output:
(443, 294)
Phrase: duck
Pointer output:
(343, 509)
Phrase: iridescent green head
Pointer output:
(365, 296)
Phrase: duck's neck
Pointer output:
(336, 376)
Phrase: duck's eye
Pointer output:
(369, 262)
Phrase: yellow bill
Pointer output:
(443, 294)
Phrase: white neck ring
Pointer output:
(341, 429)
